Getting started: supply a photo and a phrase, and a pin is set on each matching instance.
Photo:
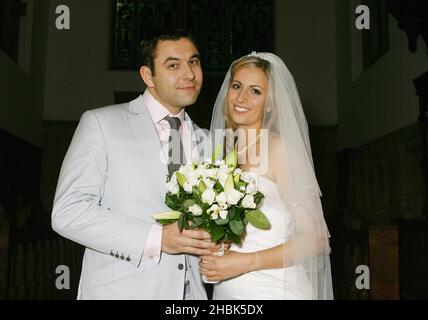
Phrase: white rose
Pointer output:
(224, 214)
(242, 188)
(247, 177)
(233, 196)
(251, 189)
(248, 202)
(187, 187)
(173, 188)
(196, 210)
(208, 196)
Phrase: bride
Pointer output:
(259, 107)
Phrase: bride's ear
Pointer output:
(146, 75)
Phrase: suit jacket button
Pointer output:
(180, 266)
(128, 259)
(112, 253)
(116, 255)
(122, 257)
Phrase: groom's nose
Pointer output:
(188, 73)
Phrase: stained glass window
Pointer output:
(223, 29)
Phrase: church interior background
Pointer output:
(365, 95)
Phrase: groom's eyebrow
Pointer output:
(170, 59)
(195, 56)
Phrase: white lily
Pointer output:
(215, 211)
(233, 196)
(221, 200)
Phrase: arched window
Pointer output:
(223, 29)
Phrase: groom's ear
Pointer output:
(146, 75)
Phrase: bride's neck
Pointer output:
(247, 134)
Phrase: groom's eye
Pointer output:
(173, 66)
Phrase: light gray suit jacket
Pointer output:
(111, 182)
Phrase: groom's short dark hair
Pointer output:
(148, 48)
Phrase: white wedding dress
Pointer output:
(272, 284)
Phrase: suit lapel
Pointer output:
(148, 138)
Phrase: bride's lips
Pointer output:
(240, 109)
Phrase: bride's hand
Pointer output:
(231, 265)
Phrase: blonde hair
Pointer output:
(251, 62)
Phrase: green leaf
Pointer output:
(258, 219)
(197, 196)
(218, 187)
(181, 222)
(188, 203)
(202, 187)
(172, 201)
(236, 178)
(197, 222)
(245, 220)
(166, 222)
(222, 222)
(234, 238)
(232, 158)
(217, 232)
(240, 184)
(237, 227)
(258, 197)
(186, 224)
(181, 179)
(169, 215)
(229, 183)
(217, 152)
(232, 213)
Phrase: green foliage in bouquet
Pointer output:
(214, 196)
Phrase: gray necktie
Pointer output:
(176, 150)
(174, 163)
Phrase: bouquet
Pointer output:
(216, 196)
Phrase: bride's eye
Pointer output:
(257, 92)
(235, 86)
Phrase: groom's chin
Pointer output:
(189, 101)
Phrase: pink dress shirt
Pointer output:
(152, 249)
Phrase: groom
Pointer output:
(113, 180)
